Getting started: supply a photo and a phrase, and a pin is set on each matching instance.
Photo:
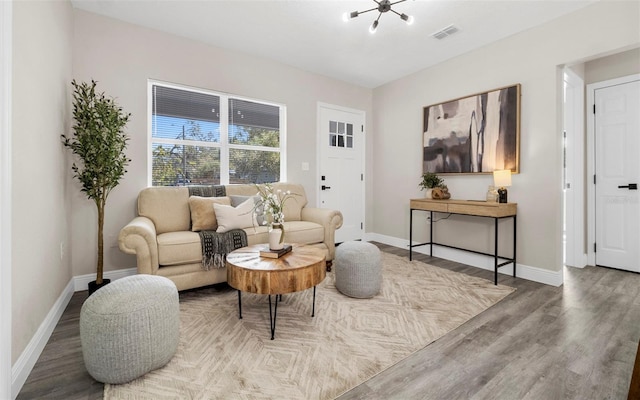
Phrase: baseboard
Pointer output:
(553, 278)
(81, 282)
(23, 366)
(581, 261)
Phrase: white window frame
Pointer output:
(224, 144)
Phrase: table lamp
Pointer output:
(502, 179)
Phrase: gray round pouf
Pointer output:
(130, 327)
(358, 269)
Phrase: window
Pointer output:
(202, 137)
(340, 133)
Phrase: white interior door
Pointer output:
(341, 167)
(617, 174)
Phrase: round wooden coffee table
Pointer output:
(303, 268)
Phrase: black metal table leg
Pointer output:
(514, 246)
(495, 254)
(410, 233)
(272, 317)
(313, 308)
(431, 233)
(239, 304)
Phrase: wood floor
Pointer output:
(578, 341)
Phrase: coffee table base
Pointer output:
(273, 310)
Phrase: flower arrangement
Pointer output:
(272, 203)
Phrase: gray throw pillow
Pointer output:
(237, 200)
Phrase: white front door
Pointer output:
(617, 169)
(341, 167)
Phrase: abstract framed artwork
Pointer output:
(479, 133)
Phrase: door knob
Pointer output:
(325, 187)
(631, 186)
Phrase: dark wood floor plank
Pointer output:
(578, 341)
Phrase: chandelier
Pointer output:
(383, 7)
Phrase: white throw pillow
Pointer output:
(235, 217)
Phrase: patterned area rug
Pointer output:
(347, 342)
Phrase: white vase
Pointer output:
(274, 239)
(428, 194)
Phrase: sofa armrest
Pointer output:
(139, 237)
(329, 219)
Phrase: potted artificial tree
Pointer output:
(99, 143)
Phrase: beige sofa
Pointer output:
(164, 242)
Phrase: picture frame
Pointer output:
(479, 133)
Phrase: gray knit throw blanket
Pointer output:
(208, 191)
(216, 246)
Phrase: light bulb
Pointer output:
(407, 18)
(349, 15)
(373, 27)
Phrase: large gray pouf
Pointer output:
(130, 327)
(358, 269)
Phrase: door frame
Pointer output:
(6, 18)
(591, 158)
(319, 137)
(575, 252)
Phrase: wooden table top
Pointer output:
(466, 207)
(303, 268)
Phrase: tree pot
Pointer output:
(93, 286)
(428, 194)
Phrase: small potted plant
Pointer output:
(429, 181)
(99, 144)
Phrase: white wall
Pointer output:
(614, 66)
(122, 57)
(533, 59)
(6, 44)
(42, 38)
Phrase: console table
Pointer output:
(466, 207)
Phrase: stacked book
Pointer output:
(267, 252)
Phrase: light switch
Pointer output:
(305, 166)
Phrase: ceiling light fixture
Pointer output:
(383, 7)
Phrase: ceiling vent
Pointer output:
(443, 33)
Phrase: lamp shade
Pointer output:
(502, 178)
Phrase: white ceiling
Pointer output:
(311, 35)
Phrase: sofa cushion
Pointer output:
(235, 217)
(203, 216)
(259, 234)
(293, 206)
(237, 200)
(176, 248)
(167, 207)
(303, 232)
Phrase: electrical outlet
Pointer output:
(61, 251)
